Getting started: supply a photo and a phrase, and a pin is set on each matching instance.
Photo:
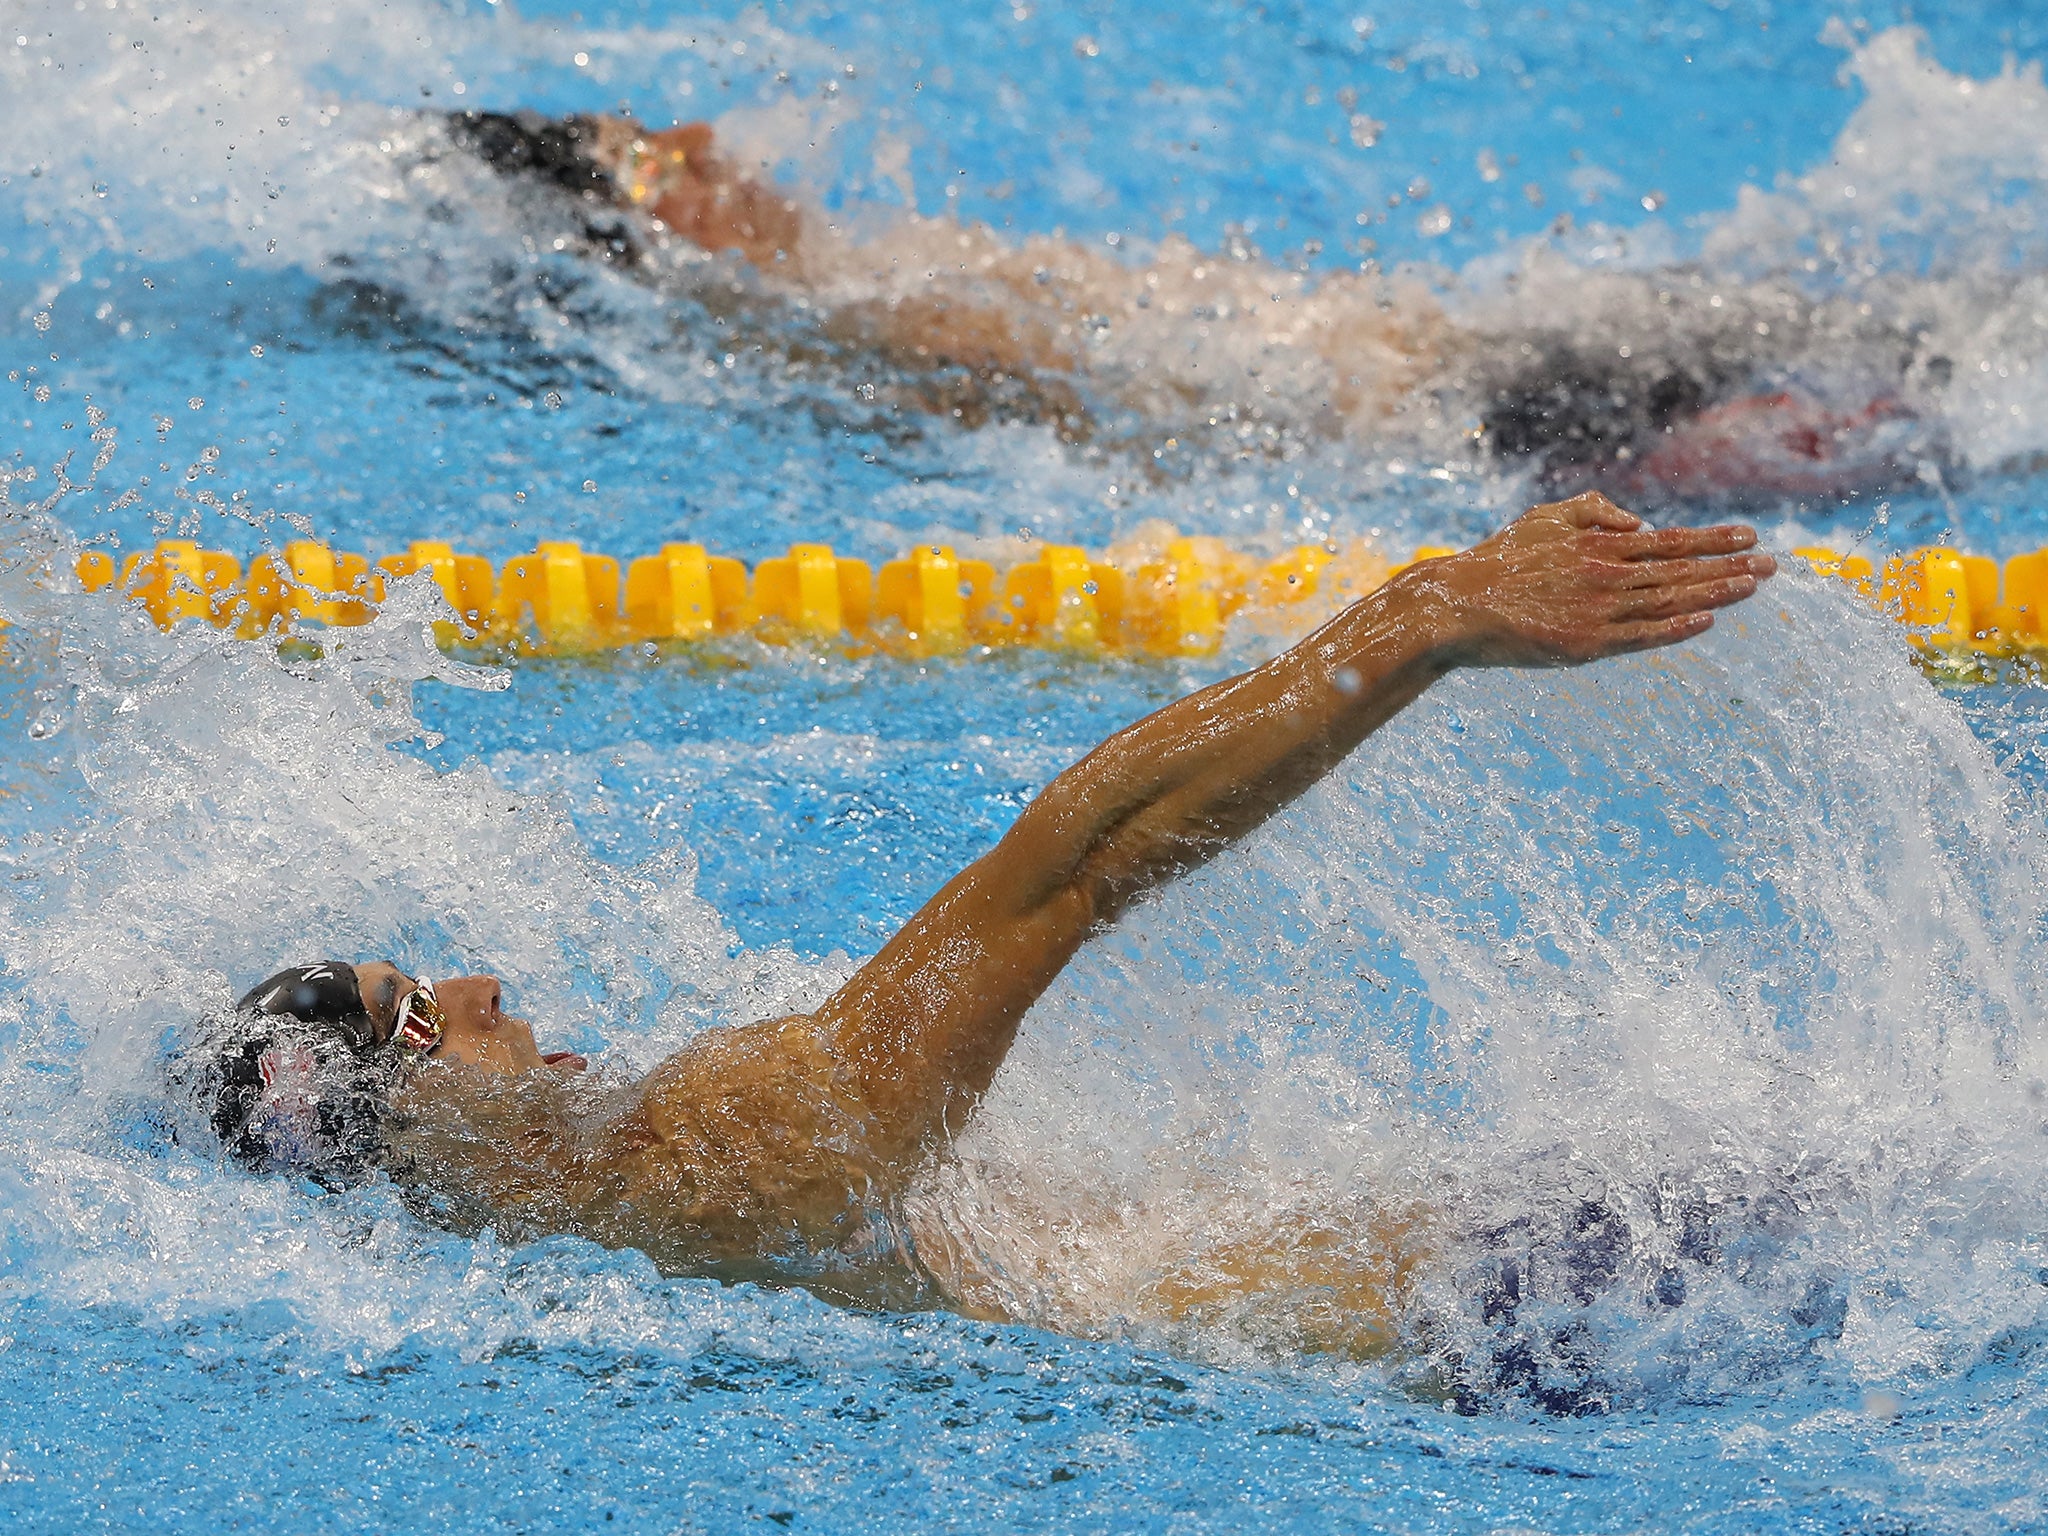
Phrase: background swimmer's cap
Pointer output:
(563, 151)
(294, 1081)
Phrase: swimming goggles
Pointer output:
(420, 1018)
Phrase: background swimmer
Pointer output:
(786, 1147)
(1198, 343)
(979, 326)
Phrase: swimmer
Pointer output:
(784, 1149)
(969, 324)
(946, 317)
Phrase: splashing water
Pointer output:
(1675, 987)
(1896, 287)
(1680, 985)
(1682, 1014)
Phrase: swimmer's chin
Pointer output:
(500, 1045)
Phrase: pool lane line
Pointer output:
(1165, 596)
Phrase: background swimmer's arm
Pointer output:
(925, 1024)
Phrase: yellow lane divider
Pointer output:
(812, 591)
(573, 597)
(1956, 603)
(1166, 594)
(467, 581)
(941, 602)
(178, 580)
(306, 580)
(1064, 597)
(683, 593)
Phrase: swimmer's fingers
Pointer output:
(1649, 634)
(1646, 575)
(1590, 509)
(1674, 543)
(1689, 598)
(683, 142)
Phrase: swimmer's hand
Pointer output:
(1576, 580)
(678, 176)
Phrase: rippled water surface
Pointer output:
(1700, 994)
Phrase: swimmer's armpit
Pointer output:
(755, 1138)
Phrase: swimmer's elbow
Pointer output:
(1048, 845)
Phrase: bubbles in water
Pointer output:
(1695, 999)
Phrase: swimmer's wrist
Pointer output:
(1442, 629)
(1406, 634)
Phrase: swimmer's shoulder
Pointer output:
(760, 1118)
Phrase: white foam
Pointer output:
(1934, 170)
(1658, 940)
(1755, 920)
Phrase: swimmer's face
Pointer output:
(479, 1034)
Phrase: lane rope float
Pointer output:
(1170, 597)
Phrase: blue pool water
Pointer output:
(1716, 976)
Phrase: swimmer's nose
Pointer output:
(479, 993)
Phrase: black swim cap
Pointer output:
(294, 1081)
(326, 993)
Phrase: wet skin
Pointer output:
(758, 1144)
(996, 327)
(1012, 318)
(479, 1033)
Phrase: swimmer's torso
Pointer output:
(705, 1167)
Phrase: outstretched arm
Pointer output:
(930, 1018)
(910, 1044)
